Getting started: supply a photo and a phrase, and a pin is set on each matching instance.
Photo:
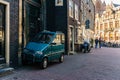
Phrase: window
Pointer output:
(59, 2)
(119, 14)
(71, 8)
(106, 27)
(59, 39)
(111, 24)
(43, 38)
(101, 26)
(116, 24)
(82, 11)
(76, 12)
(87, 1)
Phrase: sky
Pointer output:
(114, 1)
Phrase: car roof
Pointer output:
(50, 32)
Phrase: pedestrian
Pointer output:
(86, 44)
(100, 42)
(96, 42)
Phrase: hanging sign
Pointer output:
(58, 2)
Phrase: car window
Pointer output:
(59, 39)
(43, 38)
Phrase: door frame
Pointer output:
(27, 4)
(72, 48)
(7, 31)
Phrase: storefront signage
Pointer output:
(58, 2)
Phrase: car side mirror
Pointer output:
(53, 43)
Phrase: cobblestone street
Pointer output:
(100, 64)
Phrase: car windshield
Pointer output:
(43, 38)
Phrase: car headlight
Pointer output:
(38, 52)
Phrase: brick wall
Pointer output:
(14, 14)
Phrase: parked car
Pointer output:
(45, 47)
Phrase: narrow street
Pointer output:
(100, 64)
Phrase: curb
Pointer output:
(6, 71)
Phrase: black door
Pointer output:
(2, 33)
(32, 21)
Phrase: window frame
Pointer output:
(76, 12)
(71, 8)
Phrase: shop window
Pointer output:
(2, 30)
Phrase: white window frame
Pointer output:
(71, 9)
(7, 35)
(60, 3)
(76, 12)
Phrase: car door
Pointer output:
(57, 47)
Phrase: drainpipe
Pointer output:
(67, 37)
(20, 32)
(73, 41)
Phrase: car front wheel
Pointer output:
(44, 63)
(61, 59)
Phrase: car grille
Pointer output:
(29, 57)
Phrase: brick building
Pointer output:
(9, 32)
(20, 20)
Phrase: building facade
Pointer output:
(87, 18)
(107, 24)
(20, 21)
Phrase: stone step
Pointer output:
(2, 60)
(4, 70)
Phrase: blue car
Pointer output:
(45, 47)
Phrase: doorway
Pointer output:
(72, 39)
(2, 33)
(33, 25)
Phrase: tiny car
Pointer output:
(43, 48)
(86, 47)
